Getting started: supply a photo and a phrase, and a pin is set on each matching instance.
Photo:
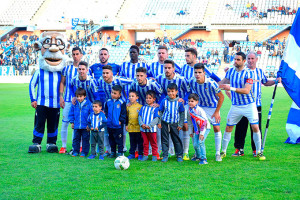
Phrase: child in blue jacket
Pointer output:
(115, 111)
(78, 116)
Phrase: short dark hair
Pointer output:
(107, 67)
(77, 49)
(104, 49)
(199, 66)
(135, 47)
(135, 92)
(241, 54)
(169, 62)
(172, 86)
(117, 88)
(192, 51)
(194, 96)
(141, 69)
(80, 91)
(98, 102)
(162, 47)
(151, 93)
(84, 63)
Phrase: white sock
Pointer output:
(257, 141)
(185, 141)
(218, 139)
(64, 133)
(226, 140)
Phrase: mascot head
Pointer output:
(51, 47)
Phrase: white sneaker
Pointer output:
(218, 158)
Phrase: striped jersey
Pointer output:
(96, 69)
(239, 80)
(142, 90)
(180, 81)
(187, 72)
(90, 85)
(259, 78)
(206, 91)
(170, 110)
(148, 113)
(48, 88)
(97, 121)
(156, 69)
(69, 72)
(107, 87)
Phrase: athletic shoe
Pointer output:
(70, 152)
(75, 154)
(101, 157)
(218, 158)
(112, 155)
(62, 150)
(179, 159)
(136, 154)
(106, 154)
(131, 156)
(80, 149)
(92, 156)
(238, 152)
(261, 156)
(144, 158)
(165, 159)
(140, 157)
(120, 154)
(223, 154)
(158, 157)
(82, 155)
(254, 153)
(203, 162)
(154, 158)
(186, 156)
(195, 159)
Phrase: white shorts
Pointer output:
(209, 112)
(236, 113)
(66, 110)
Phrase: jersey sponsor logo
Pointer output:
(250, 81)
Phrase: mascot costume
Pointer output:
(51, 47)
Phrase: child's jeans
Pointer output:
(85, 136)
(199, 145)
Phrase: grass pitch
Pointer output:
(55, 176)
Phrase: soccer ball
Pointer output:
(121, 163)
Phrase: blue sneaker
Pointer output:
(165, 159)
(106, 154)
(112, 155)
(195, 159)
(154, 158)
(140, 157)
(144, 158)
(179, 159)
(131, 156)
(92, 156)
(101, 157)
(75, 154)
(203, 162)
(82, 155)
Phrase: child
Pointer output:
(115, 111)
(172, 118)
(133, 127)
(201, 128)
(78, 116)
(97, 121)
(148, 120)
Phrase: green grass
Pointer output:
(55, 176)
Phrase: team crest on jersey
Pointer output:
(98, 68)
(118, 106)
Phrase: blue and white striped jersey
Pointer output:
(258, 78)
(96, 69)
(97, 121)
(117, 80)
(69, 72)
(180, 81)
(206, 91)
(90, 85)
(187, 72)
(156, 69)
(170, 110)
(239, 80)
(148, 113)
(48, 88)
(142, 90)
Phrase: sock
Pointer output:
(64, 133)
(218, 139)
(186, 141)
(226, 140)
(257, 141)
